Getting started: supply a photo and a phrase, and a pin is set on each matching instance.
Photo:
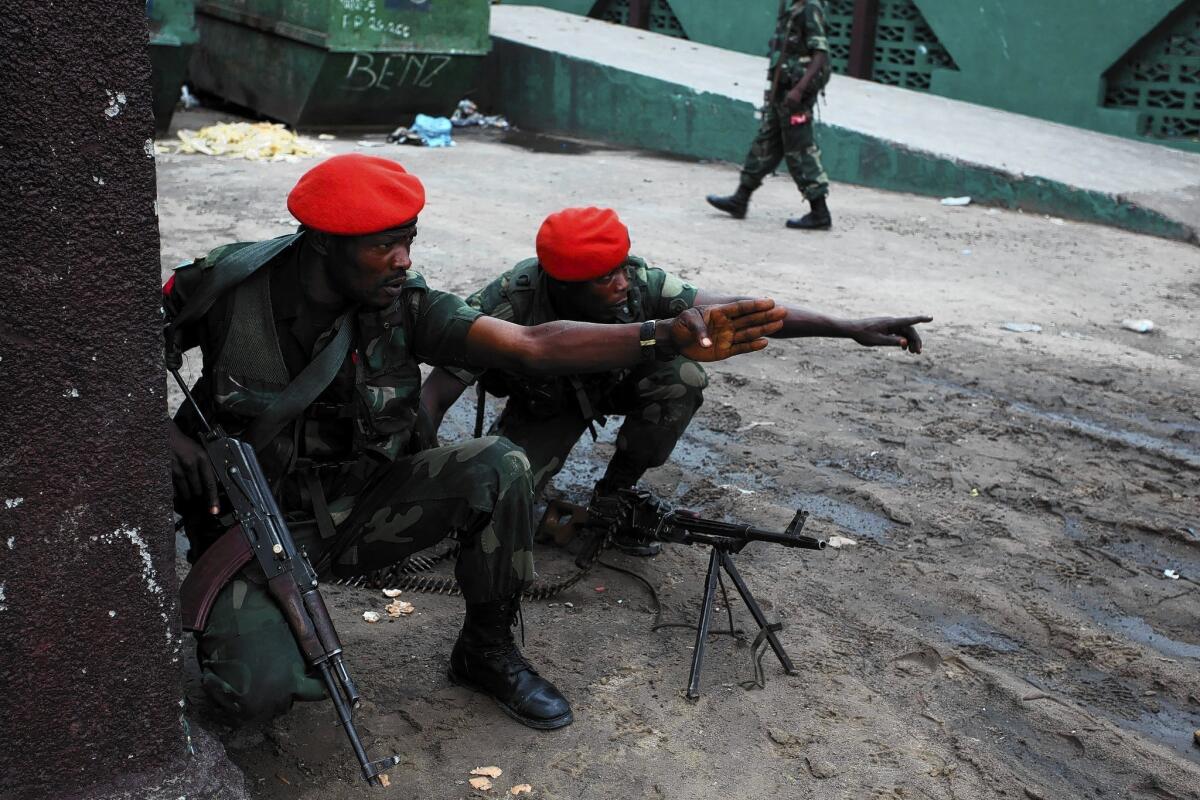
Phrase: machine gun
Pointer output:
(640, 511)
(262, 534)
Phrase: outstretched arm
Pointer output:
(559, 348)
(872, 332)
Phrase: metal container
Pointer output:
(320, 64)
(172, 26)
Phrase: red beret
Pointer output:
(353, 195)
(579, 244)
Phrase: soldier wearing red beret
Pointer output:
(335, 314)
(583, 271)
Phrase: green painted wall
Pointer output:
(709, 21)
(546, 91)
(1044, 58)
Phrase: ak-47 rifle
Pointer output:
(263, 534)
(656, 521)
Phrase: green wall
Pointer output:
(547, 91)
(1043, 58)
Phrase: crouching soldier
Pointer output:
(311, 347)
(584, 271)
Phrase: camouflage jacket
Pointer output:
(800, 32)
(260, 334)
(522, 296)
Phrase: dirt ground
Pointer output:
(1003, 627)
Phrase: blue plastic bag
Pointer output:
(434, 131)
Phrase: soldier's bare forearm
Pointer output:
(799, 322)
(553, 348)
(560, 348)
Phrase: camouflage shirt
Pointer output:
(369, 409)
(522, 296)
(799, 33)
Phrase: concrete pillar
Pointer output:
(90, 648)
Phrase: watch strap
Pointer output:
(648, 341)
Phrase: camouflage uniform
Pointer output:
(352, 450)
(799, 32)
(546, 416)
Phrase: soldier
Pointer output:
(335, 312)
(798, 72)
(583, 271)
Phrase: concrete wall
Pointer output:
(1043, 59)
(547, 91)
(91, 659)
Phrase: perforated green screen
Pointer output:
(1160, 77)
(662, 18)
(907, 51)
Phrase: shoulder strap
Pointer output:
(521, 289)
(305, 387)
(229, 267)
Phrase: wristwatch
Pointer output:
(652, 348)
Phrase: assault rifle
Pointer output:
(262, 534)
(653, 520)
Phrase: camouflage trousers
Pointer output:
(779, 140)
(481, 489)
(657, 400)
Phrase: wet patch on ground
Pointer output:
(975, 634)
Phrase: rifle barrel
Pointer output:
(787, 540)
(747, 533)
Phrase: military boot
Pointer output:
(818, 219)
(486, 658)
(734, 205)
(605, 510)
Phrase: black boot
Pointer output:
(485, 658)
(604, 509)
(734, 205)
(818, 219)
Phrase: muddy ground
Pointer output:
(1003, 628)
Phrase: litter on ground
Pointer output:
(398, 608)
(1137, 325)
(254, 141)
(467, 115)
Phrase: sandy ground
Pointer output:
(1003, 627)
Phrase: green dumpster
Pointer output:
(172, 26)
(342, 63)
